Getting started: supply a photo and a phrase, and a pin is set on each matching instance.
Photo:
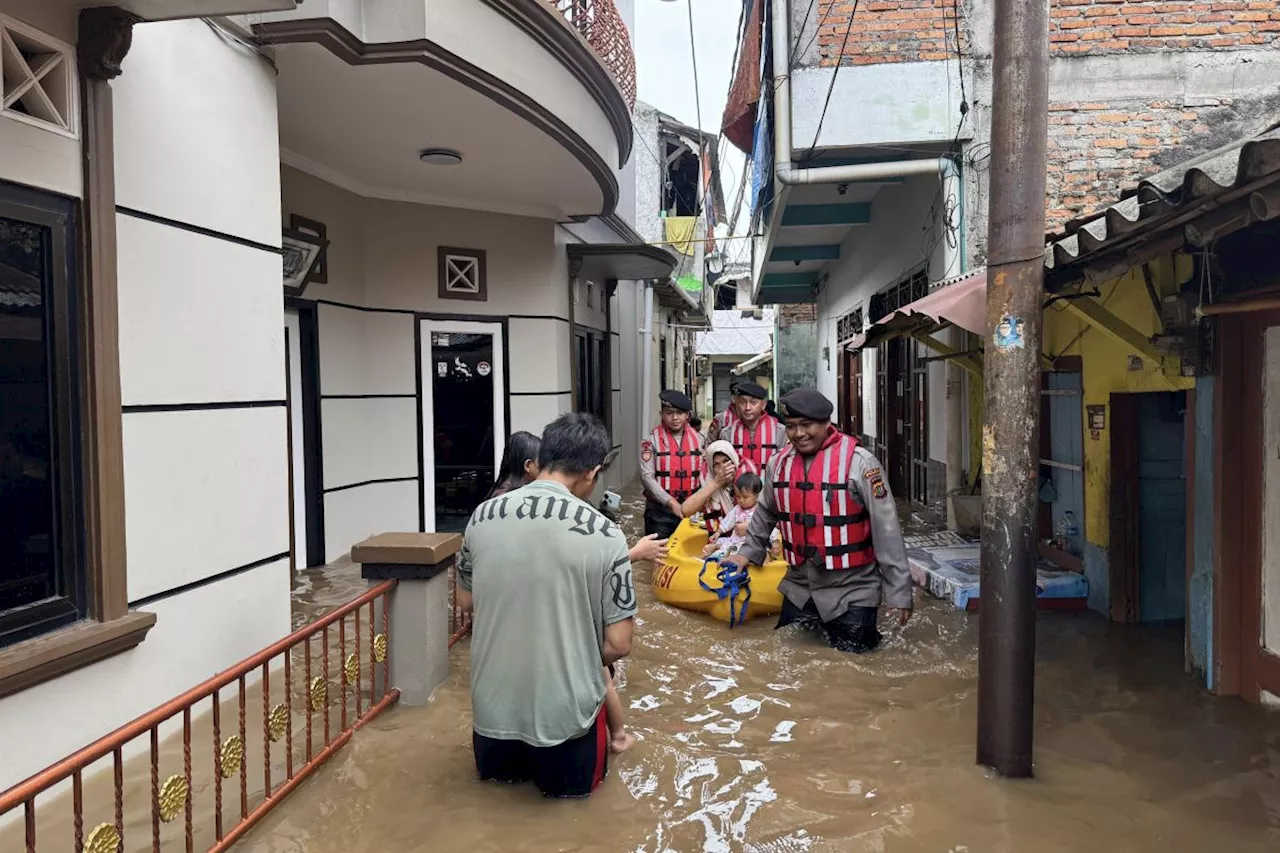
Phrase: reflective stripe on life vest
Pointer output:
(758, 448)
(821, 517)
(678, 466)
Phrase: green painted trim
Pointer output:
(806, 253)
(789, 279)
(854, 213)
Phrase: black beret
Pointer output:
(676, 399)
(805, 403)
(751, 389)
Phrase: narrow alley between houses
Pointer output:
(757, 740)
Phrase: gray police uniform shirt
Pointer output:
(886, 581)
(649, 479)
(547, 573)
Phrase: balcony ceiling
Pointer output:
(363, 126)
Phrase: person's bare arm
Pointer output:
(617, 640)
(698, 499)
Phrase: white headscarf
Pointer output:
(722, 500)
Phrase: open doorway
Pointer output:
(302, 396)
(463, 418)
(1149, 554)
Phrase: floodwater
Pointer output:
(762, 740)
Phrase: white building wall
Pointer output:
(382, 269)
(898, 250)
(201, 334)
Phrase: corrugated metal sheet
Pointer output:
(1167, 193)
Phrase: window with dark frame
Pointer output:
(592, 388)
(42, 565)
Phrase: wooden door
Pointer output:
(1247, 563)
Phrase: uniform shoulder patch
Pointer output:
(875, 480)
(646, 451)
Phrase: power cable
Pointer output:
(831, 87)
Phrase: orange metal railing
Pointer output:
(599, 23)
(368, 691)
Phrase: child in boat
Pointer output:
(519, 468)
(733, 527)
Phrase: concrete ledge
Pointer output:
(415, 549)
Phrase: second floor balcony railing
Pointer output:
(599, 23)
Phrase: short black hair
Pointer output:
(695, 421)
(750, 482)
(574, 443)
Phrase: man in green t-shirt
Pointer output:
(549, 581)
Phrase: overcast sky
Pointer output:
(664, 65)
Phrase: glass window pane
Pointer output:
(27, 501)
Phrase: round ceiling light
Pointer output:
(440, 157)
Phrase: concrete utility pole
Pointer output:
(1010, 436)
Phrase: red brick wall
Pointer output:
(789, 315)
(1098, 150)
(1108, 26)
(887, 31)
(918, 30)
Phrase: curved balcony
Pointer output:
(599, 23)
(535, 94)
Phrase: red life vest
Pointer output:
(677, 467)
(821, 516)
(761, 447)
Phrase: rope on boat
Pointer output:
(732, 581)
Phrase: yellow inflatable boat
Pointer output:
(684, 581)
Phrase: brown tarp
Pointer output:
(738, 124)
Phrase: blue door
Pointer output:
(1162, 508)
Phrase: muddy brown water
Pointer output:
(763, 740)
(767, 741)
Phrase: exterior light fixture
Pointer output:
(440, 157)
(301, 251)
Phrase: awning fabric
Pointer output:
(752, 363)
(960, 301)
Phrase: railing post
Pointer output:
(418, 613)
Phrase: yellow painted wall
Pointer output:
(1106, 371)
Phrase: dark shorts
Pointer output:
(854, 631)
(570, 769)
(660, 520)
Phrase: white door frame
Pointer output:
(427, 378)
(296, 432)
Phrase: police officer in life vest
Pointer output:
(755, 434)
(671, 465)
(840, 530)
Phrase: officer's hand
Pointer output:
(649, 548)
(737, 561)
(903, 613)
(676, 507)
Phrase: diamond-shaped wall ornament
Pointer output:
(461, 274)
(37, 78)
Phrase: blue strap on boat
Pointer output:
(732, 581)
